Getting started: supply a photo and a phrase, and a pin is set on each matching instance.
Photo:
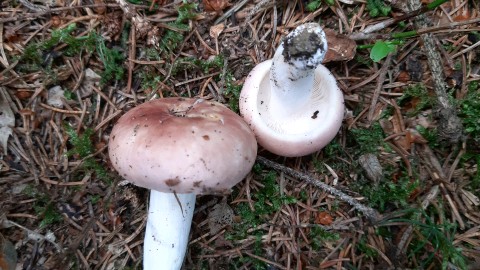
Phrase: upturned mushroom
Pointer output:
(179, 148)
(292, 102)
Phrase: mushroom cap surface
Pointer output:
(301, 133)
(182, 145)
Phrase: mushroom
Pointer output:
(292, 102)
(179, 148)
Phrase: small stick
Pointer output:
(229, 12)
(379, 87)
(413, 33)
(450, 125)
(406, 236)
(60, 110)
(406, 16)
(35, 15)
(131, 56)
(143, 26)
(33, 235)
(370, 213)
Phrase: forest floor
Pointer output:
(408, 148)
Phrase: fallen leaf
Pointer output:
(403, 76)
(413, 136)
(414, 67)
(55, 21)
(220, 216)
(340, 47)
(100, 9)
(464, 16)
(91, 80)
(23, 94)
(11, 36)
(215, 5)
(216, 30)
(324, 218)
(372, 167)
(55, 96)
(4, 167)
(7, 120)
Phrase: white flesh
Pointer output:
(168, 227)
(292, 82)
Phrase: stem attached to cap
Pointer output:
(168, 227)
(293, 68)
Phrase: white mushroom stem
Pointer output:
(293, 69)
(292, 102)
(168, 227)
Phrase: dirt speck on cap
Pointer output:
(172, 182)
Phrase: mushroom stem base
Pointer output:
(168, 227)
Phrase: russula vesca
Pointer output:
(179, 148)
(292, 102)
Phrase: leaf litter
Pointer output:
(388, 157)
(7, 120)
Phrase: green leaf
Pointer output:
(380, 50)
(313, 5)
(330, 2)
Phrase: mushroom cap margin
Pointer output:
(182, 145)
(326, 119)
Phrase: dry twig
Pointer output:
(450, 126)
(370, 213)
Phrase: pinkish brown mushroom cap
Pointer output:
(182, 145)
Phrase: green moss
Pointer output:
(418, 96)
(95, 198)
(39, 55)
(193, 63)
(368, 139)
(82, 146)
(431, 135)
(112, 60)
(74, 44)
(69, 95)
(48, 213)
(313, 5)
(267, 201)
(149, 79)
(390, 193)
(186, 11)
(378, 8)
(333, 149)
(44, 207)
(367, 251)
(469, 110)
(232, 91)
(361, 59)
(394, 190)
(434, 240)
(172, 38)
(319, 236)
